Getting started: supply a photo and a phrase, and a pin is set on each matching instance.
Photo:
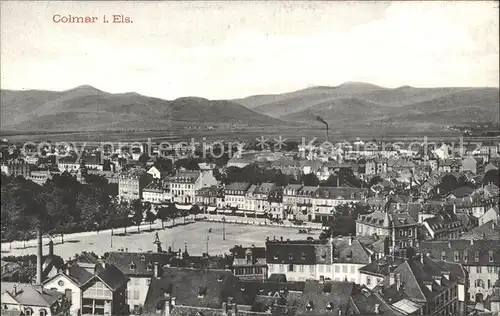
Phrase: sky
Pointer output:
(225, 50)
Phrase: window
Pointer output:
(466, 256)
(491, 256)
(368, 281)
(337, 269)
(271, 267)
(328, 268)
(301, 268)
(489, 283)
(443, 255)
(68, 294)
(311, 269)
(457, 256)
(43, 312)
(290, 268)
(476, 255)
(309, 306)
(320, 268)
(491, 269)
(478, 269)
(282, 268)
(28, 311)
(344, 268)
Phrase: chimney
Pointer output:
(391, 278)
(39, 257)
(350, 240)
(281, 238)
(51, 248)
(169, 305)
(454, 208)
(157, 270)
(15, 290)
(377, 309)
(472, 241)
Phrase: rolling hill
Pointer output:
(357, 104)
(87, 108)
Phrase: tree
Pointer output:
(162, 214)
(137, 211)
(172, 212)
(122, 214)
(310, 179)
(195, 210)
(184, 213)
(150, 218)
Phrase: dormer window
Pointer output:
(303, 256)
(220, 278)
(199, 314)
(309, 306)
(275, 257)
(202, 291)
(491, 256)
(290, 256)
(323, 255)
(149, 266)
(476, 256)
(349, 254)
(132, 266)
(143, 258)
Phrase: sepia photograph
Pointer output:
(246, 158)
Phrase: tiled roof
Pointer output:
(383, 266)
(465, 249)
(340, 192)
(184, 177)
(143, 262)
(445, 221)
(113, 277)
(237, 186)
(487, 231)
(293, 253)
(326, 298)
(31, 295)
(186, 285)
(365, 301)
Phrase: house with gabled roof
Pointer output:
(480, 258)
(93, 288)
(29, 300)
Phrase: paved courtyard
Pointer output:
(193, 234)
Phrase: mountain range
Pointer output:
(351, 105)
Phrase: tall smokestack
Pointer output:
(320, 119)
(39, 257)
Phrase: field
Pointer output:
(193, 234)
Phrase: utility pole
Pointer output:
(223, 228)
(208, 238)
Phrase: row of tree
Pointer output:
(63, 205)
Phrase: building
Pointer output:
(376, 166)
(207, 197)
(131, 184)
(71, 164)
(325, 199)
(139, 268)
(491, 215)
(156, 193)
(30, 300)
(181, 291)
(40, 176)
(16, 168)
(336, 259)
(92, 286)
(418, 285)
(257, 197)
(184, 184)
(487, 231)
(399, 225)
(449, 165)
(234, 196)
(443, 226)
(250, 263)
(469, 164)
(10, 271)
(297, 201)
(480, 258)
